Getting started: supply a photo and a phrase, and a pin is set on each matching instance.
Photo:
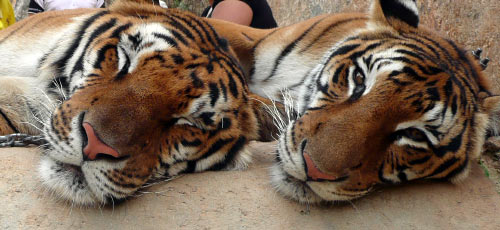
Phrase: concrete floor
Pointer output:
(244, 200)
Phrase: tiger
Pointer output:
(379, 100)
(126, 96)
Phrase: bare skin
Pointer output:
(233, 11)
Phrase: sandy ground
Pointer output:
(244, 200)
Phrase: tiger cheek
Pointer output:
(143, 164)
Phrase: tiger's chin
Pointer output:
(292, 187)
(307, 192)
(67, 182)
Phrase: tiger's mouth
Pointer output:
(70, 183)
(309, 192)
(67, 181)
(291, 187)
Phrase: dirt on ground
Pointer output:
(245, 200)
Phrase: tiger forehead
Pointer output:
(185, 38)
(426, 46)
(427, 55)
(186, 28)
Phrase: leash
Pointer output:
(21, 140)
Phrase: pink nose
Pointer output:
(313, 172)
(95, 146)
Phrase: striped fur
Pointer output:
(380, 98)
(158, 86)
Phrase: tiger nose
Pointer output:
(95, 146)
(313, 173)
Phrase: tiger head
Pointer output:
(390, 103)
(150, 93)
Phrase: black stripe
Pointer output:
(221, 42)
(98, 31)
(216, 147)
(395, 9)
(43, 59)
(178, 59)
(437, 55)
(410, 53)
(116, 33)
(402, 177)
(191, 166)
(233, 88)
(61, 63)
(327, 30)
(289, 49)
(236, 69)
(196, 142)
(211, 37)
(381, 175)
(197, 82)
(444, 166)
(336, 75)
(231, 154)
(247, 37)
(155, 57)
(178, 25)
(214, 93)
(167, 39)
(179, 37)
(254, 48)
(101, 55)
(343, 50)
(287, 150)
(193, 27)
(125, 68)
(206, 117)
(454, 105)
(224, 89)
(460, 168)
(433, 94)
(363, 51)
(412, 74)
(9, 123)
(453, 146)
(462, 54)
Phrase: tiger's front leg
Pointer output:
(15, 116)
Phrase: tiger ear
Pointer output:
(395, 12)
